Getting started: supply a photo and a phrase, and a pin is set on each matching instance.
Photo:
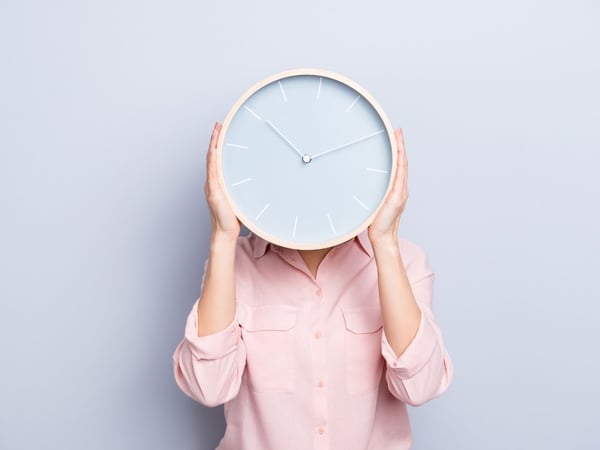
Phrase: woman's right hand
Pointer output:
(225, 225)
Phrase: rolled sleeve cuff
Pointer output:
(417, 354)
(212, 346)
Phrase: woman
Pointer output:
(318, 349)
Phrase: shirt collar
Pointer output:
(365, 243)
(259, 245)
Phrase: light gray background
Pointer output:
(105, 112)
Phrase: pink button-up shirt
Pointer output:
(305, 363)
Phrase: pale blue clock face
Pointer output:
(306, 159)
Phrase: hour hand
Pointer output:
(276, 130)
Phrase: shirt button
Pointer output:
(321, 430)
(317, 335)
(318, 292)
(321, 384)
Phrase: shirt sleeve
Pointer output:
(209, 368)
(424, 370)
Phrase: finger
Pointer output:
(402, 160)
(211, 168)
(400, 157)
(211, 163)
(401, 146)
(214, 138)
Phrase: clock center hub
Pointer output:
(306, 158)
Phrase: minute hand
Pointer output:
(347, 144)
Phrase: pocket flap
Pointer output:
(270, 317)
(363, 320)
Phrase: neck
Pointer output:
(313, 258)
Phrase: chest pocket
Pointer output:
(364, 361)
(269, 334)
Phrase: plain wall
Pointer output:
(105, 113)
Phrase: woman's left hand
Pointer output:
(384, 229)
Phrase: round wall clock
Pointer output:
(306, 158)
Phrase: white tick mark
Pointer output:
(262, 211)
(237, 183)
(282, 92)
(361, 203)
(229, 144)
(295, 226)
(319, 90)
(331, 223)
(371, 169)
(252, 112)
(351, 105)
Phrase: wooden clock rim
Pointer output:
(279, 76)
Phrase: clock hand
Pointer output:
(302, 155)
(347, 144)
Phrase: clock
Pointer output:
(306, 158)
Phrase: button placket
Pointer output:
(319, 365)
(321, 438)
